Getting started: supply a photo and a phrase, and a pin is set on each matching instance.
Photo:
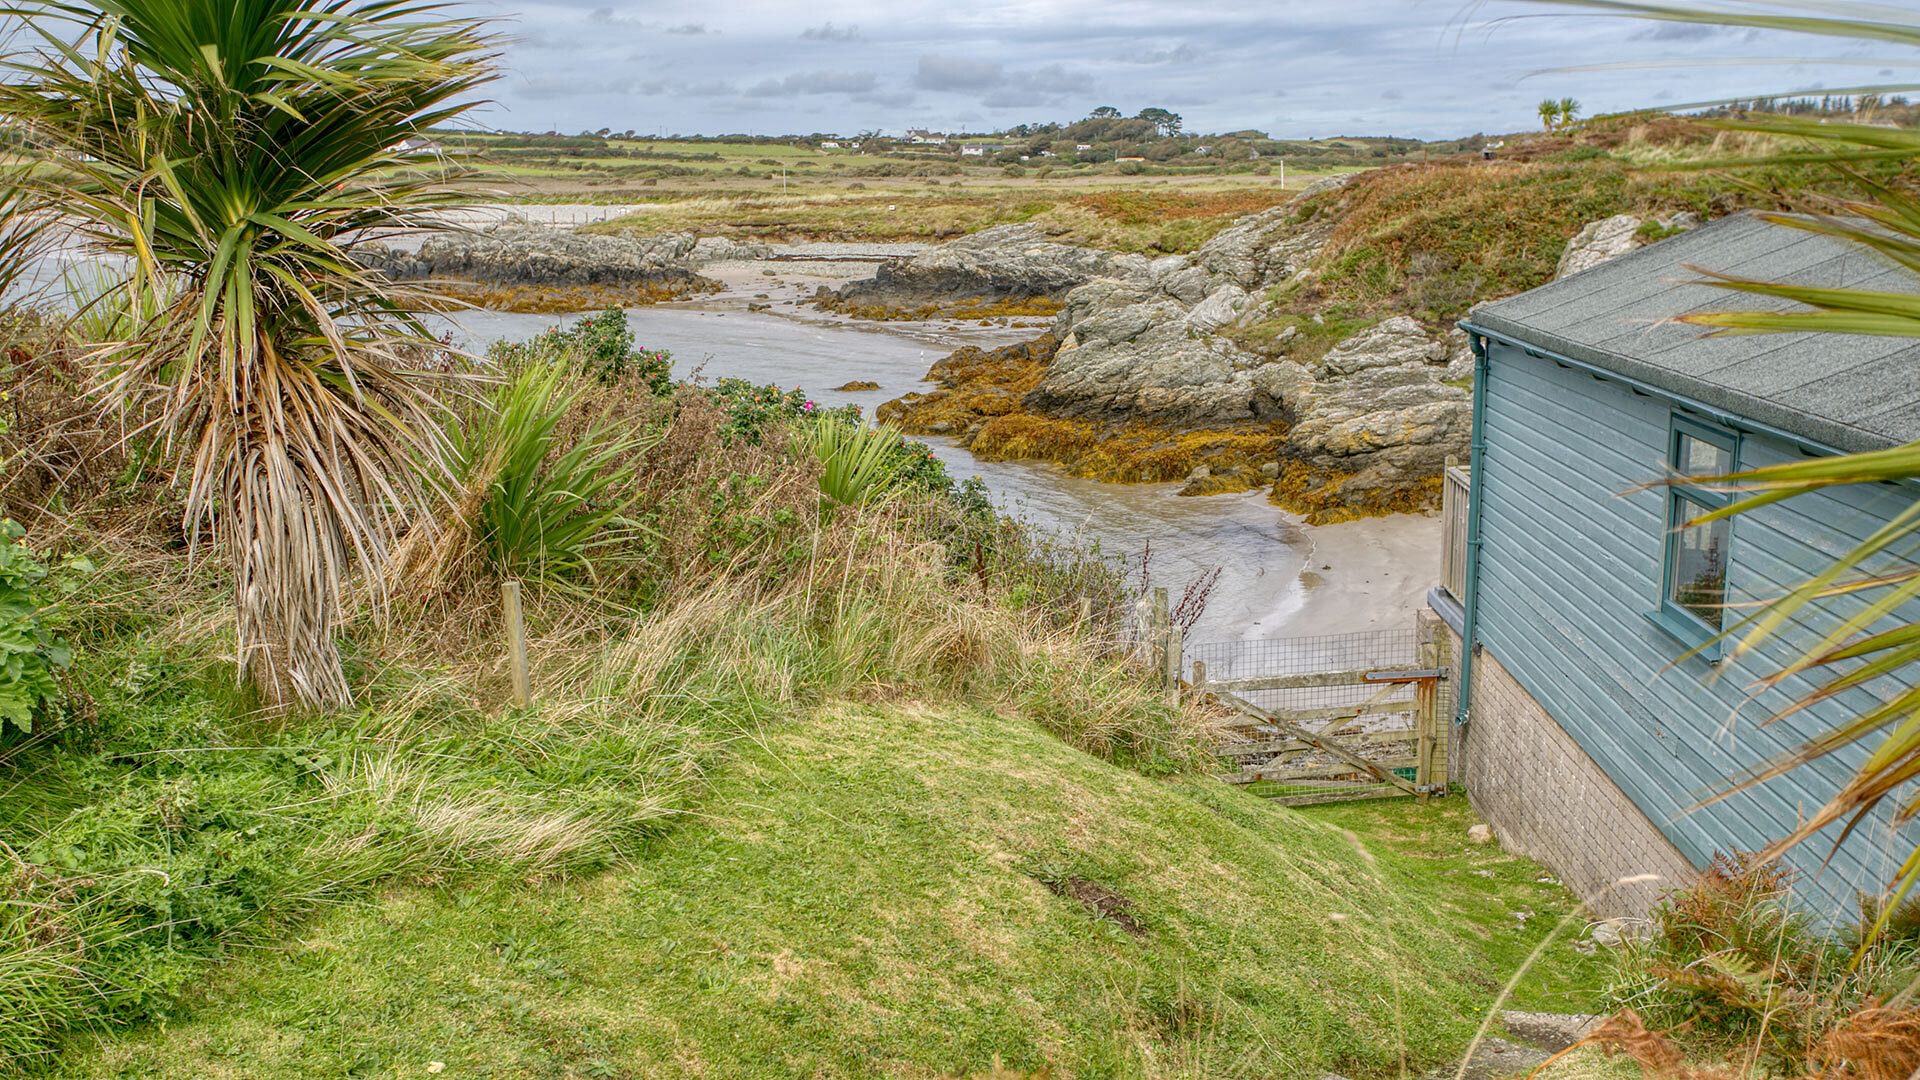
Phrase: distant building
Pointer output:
(417, 146)
(973, 151)
(923, 137)
(1082, 147)
(1131, 158)
(829, 144)
(1203, 149)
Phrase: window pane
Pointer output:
(1699, 457)
(1700, 564)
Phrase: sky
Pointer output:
(1292, 68)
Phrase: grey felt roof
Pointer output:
(1848, 391)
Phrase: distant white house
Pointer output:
(417, 146)
(1082, 147)
(923, 137)
(973, 151)
(1203, 149)
(829, 144)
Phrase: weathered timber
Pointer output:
(1318, 742)
(1298, 681)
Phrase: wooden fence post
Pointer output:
(1427, 698)
(1157, 631)
(1176, 655)
(516, 643)
(1199, 678)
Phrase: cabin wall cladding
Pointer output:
(1546, 799)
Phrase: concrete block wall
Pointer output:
(1548, 800)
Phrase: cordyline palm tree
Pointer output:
(1549, 113)
(1876, 642)
(229, 153)
(1566, 108)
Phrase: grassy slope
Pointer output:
(866, 896)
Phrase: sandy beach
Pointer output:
(1371, 574)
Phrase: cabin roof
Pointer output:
(1848, 391)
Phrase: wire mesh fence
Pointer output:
(1341, 700)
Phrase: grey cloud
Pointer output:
(606, 16)
(816, 82)
(711, 88)
(829, 32)
(957, 73)
(886, 99)
(691, 29)
(1179, 54)
(1392, 95)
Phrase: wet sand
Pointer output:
(1364, 575)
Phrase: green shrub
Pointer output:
(600, 345)
(31, 654)
(858, 463)
(546, 511)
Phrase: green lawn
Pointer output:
(891, 891)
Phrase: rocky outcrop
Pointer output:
(1144, 350)
(1150, 346)
(537, 255)
(1380, 417)
(1006, 262)
(1272, 246)
(1610, 238)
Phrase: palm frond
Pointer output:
(236, 152)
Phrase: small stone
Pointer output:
(1488, 874)
(1480, 834)
(1200, 472)
(1606, 934)
(1270, 470)
(1553, 1032)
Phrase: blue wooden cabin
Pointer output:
(1591, 735)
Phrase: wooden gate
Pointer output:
(1350, 716)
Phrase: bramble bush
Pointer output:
(601, 344)
(31, 654)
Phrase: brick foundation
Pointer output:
(1548, 800)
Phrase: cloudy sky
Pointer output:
(1299, 68)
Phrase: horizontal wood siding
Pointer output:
(1571, 565)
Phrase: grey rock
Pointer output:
(1552, 1032)
(1221, 307)
(538, 255)
(717, 248)
(1598, 242)
(1480, 834)
(1683, 221)
(1189, 286)
(1006, 262)
(1380, 415)
(1272, 246)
